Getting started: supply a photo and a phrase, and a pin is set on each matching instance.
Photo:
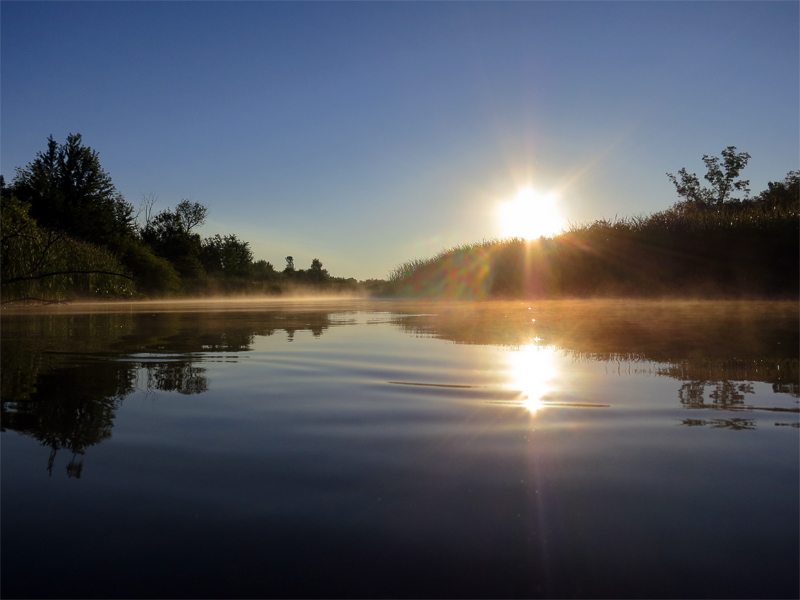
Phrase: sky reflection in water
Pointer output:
(402, 450)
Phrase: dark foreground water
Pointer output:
(379, 449)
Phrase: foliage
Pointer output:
(154, 276)
(316, 274)
(170, 235)
(723, 182)
(190, 214)
(781, 195)
(263, 270)
(66, 196)
(69, 191)
(226, 256)
(46, 265)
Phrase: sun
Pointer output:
(531, 216)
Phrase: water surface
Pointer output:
(384, 449)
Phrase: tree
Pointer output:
(145, 212)
(289, 265)
(68, 190)
(154, 275)
(263, 270)
(782, 194)
(170, 235)
(316, 273)
(722, 178)
(190, 214)
(227, 256)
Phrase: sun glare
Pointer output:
(531, 216)
(531, 372)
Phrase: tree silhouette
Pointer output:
(782, 194)
(316, 274)
(170, 235)
(190, 214)
(227, 256)
(722, 178)
(68, 190)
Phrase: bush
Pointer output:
(44, 265)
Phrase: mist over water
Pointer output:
(351, 447)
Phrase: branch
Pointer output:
(42, 300)
(43, 275)
(50, 241)
(13, 234)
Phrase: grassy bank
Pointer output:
(737, 250)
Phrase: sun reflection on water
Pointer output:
(532, 371)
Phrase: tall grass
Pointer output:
(39, 264)
(741, 250)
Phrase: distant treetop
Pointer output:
(722, 178)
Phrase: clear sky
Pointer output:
(367, 134)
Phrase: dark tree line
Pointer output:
(716, 241)
(67, 231)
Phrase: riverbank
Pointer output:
(739, 251)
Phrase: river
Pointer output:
(366, 448)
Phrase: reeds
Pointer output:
(737, 250)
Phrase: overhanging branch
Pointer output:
(54, 273)
(42, 300)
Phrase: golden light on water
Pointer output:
(530, 216)
(532, 371)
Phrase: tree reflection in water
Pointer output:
(718, 350)
(71, 409)
(181, 377)
(726, 394)
(65, 376)
(735, 424)
(73, 406)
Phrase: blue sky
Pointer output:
(367, 134)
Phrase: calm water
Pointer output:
(373, 449)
